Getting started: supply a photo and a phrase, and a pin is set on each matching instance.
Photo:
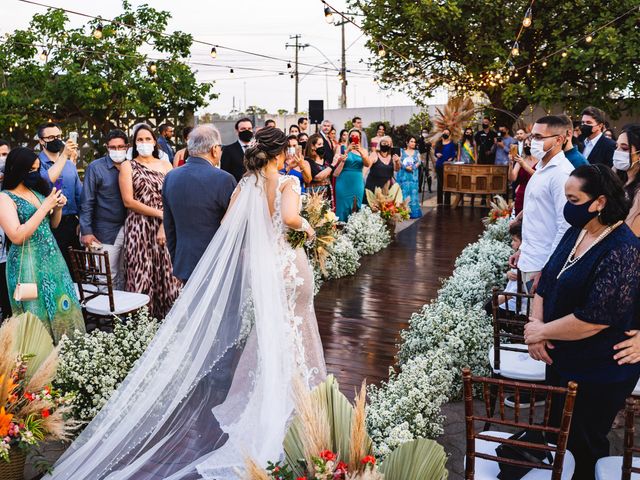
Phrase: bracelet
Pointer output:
(304, 226)
(333, 168)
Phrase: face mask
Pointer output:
(291, 150)
(3, 161)
(485, 125)
(468, 135)
(537, 149)
(425, 134)
(303, 145)
(54, 146)
(119, 156)
(445, 135)
(145, 149)
(579, 215)
(527, 150)
(621, 160)
(586, 130)
(32, 179)
(245, 136)
(385, 148)
(320, 151)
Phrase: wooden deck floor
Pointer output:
(360, 317)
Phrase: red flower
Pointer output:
(276, 470)
(327, 455)
(45, 413)
(343, 467)
(369, 459)
(301, 478)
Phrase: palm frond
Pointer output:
(416, 460)
(455, 117)
(32, 340)
(360, 443)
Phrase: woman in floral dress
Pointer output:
(148, 267)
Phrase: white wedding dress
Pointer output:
(214, 386)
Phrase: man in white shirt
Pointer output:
(521, 135)
(543, 223)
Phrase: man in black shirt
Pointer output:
(485, 139)
(424, 148)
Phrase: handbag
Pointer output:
(512, 452)
(25, 291)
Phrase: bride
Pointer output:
(215, 384)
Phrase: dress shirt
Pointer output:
(102, 212)
(589, 144)
(68, 180)
(520, 148)
(244, 146)
(543, 223)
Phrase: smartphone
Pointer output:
(291, 150)
(343, 148)
(355, 139)
(73, 136)
(395, 151)
(58, 184)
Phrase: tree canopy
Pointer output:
(98, 74)
(455, 42)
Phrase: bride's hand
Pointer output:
(311, 234)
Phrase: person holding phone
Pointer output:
(58, 167)
(295, 165)
(408, 176)
(29, 208)
(384, 163)
(350, 178)
(321, 170)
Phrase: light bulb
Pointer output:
(412, 69)
(231, 70)
(527, 18)
(589, 38)
(328, 15)
(515, 51)
(97, 33)
(43, 55)
(153, 68)
(381, 51)
(564, 54)
(214, 52)
(544, 64)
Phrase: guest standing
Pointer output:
(380, 132)
(183, 153)
(57, 167)
(328, 145)
(303, 124)
(626, 159)
(147, 261)
(424, 147)
(570, 150)
(5, 304)
(350, 181)
(408, 176)
(467, 151)
(502, 146)
(165, 144)
(357, 124)
(485, 140)
(303, 138)
(294, 130)
(523, 167)
(294, 163)
(383, 165)
(321, 170)
(587, 297)
(233, 154)
(195, 199)
(597, 147)
(102, 212)
(28, 210)
(445, 152)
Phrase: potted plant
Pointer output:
(31, 411)
(390, 204)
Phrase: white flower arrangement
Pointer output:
(93, 365)
(367, 231)
(343, 260)
(448, 334)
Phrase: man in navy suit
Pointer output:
(195, 197)
(233, 154)
(597, 147)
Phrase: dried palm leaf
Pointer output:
(7, 342)
(360, 443)
(43, 376)
(32, 340)
(253, 471)
(455, 116)
(416, 460)
(59, 425)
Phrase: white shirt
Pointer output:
(520, 148)
(589, 144)
(543, 223)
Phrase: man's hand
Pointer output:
(536, 280)
(89, 240)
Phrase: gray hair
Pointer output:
(203, 138)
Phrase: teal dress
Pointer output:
(409, 181)
(349, 186)
(42, 263)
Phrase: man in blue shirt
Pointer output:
(102, 212)
(570, 150)
(502, 145)
(57, 166)
(165, 144)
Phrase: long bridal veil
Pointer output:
(214, 385)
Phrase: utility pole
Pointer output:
(297, 46)
(343, 97)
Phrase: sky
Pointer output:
(259, 26)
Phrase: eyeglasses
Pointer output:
(540, 137)
(120, 148)
(51, 138)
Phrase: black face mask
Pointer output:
(485, 125)
(54, 146)
(303, 145)
(445, 136)
(320, 151)
(32, 179)
(245, 136)
(385, 148)
(468, 135)
(527, 150)
(579, 215)
(586, 130)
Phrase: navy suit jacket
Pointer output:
(603, 151)
(233, 160)
(195, 198)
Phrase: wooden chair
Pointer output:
(92, 274)
(623, 467)
(482, 461)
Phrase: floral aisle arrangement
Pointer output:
(31, 410)
(451, 332)
(390, 204)
(94, 364)
(327, 440)
(344, 259)
(367, 231)
(500, 208)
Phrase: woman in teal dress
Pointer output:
(350, 179)
(28, 210)
(408, 176)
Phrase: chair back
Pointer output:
(629, 443)
(509, 320)
(92, 274)
(517, 422)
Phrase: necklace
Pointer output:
(572, 259)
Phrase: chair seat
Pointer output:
(610, 468)
(124, 302)
(636, 390)
(519, 365)
(488, 469)
(86, 287)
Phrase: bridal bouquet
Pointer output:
(389, 202)
(500, 208)
(317, 211)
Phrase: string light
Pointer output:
(564, 54)
(289, 66)
(153, 68)
(214, 52)
(515, 51)
(43, 55)
(526, 23)
(412, 69)
(381, 51)
(589, 38)
(97, 33)
(231, 70)
(328, 15)
(544, 64)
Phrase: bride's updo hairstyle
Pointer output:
(269, 143)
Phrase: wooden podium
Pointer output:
(475, 180)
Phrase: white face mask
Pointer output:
(118, 156)
(3, 161)
(537, 149)
(145, 149)
(621, 160)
